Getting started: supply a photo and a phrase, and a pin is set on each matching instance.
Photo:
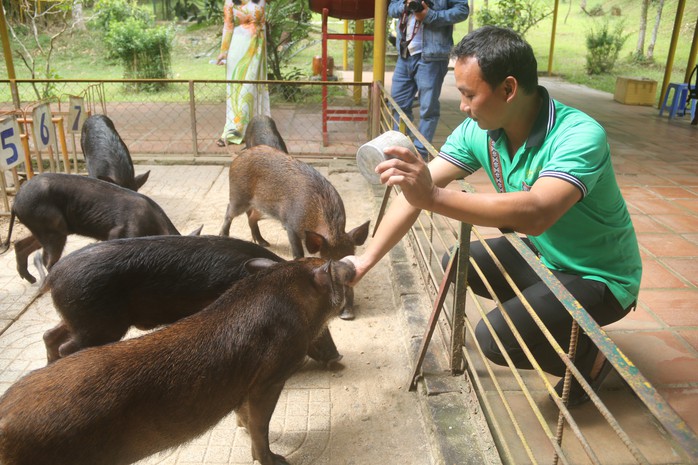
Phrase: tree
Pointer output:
(642, 30)
(288, 26)
(655, 31)
(519, 15)
(35, 32)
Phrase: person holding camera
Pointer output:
(424, 41)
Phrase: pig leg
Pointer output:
(225, 229)
(348, 309)
(53, 338)
(253, 217)
(323, 349)
(296, 244)
(53, 243)
(259, 409)
(23, 248)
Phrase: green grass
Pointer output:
(81, 54)
(569, 55)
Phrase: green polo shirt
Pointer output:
(595, 239)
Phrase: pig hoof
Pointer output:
(333, 362)
(28, 277)
(347, 314)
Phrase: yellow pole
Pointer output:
(552, 39)
(692, 54)
(358, 60)
(379, 39)
(7, 51)
(345, 44)
(672, 49)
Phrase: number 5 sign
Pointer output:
(43, 127)
(11, 149)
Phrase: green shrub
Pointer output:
(145, 53)
(108, 12)
(519, 15)
(603, 48)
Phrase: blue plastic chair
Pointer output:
(678, 101)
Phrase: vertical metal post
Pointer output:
(672, 50)
(461, 285)
(552, 38)
(192, 117)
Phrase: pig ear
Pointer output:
(314, 242)
(197, 231)
(360, 233)
(107, 179)
(255, 265)
(141, 179)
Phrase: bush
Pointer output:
(130, 36)
(518, 15)
(145, 53)
(108, 12)
(603, 48)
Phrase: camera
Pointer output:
(415, 6)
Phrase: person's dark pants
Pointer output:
(594, 296)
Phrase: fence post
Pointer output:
(192, 114)
(458, 321)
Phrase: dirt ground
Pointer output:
(359, 413)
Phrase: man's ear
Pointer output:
(510, 87)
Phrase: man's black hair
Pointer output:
(500, 52)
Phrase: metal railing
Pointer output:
(182, 120)
(528, 420)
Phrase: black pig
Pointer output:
(103, 289)
(262, 131)
(121, 402)
(53, 206)
(106, 154)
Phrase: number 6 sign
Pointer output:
(43, 127)
(11, 149)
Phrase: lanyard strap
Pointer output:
(496, 164)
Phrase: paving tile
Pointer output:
(660, 356)
(686, 267)
(678, 223)
(673, 307)
(667, 245)
(657, 275)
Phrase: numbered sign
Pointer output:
(43, 127)
(11, 149)
(75, 115)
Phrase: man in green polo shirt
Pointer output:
(551, 166)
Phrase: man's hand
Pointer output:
(407, 170)
(420, 15)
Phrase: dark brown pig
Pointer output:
(122, 402)
(103, 289)
(106, 154)
(53, 206)
(262, 131)
(264, 180)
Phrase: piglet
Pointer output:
(106, 154)
(264, 180)
(53, 206)
(262, 131)
(122, 402)
(103, 289)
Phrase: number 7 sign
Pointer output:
(11, 149)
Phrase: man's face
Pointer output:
(479, 101)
